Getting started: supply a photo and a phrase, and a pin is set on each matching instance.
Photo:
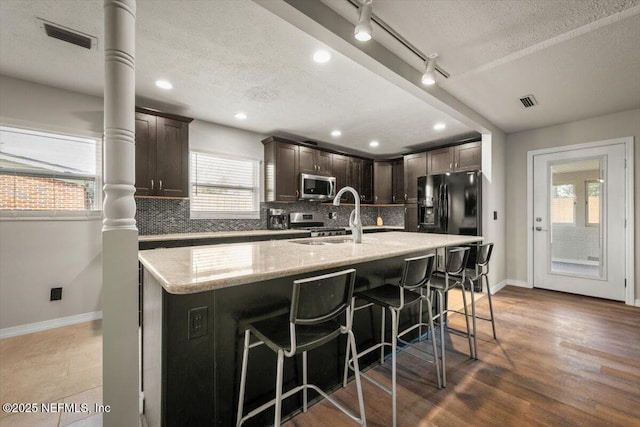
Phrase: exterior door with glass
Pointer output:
(579, 221)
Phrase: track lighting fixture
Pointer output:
(429, 76)
(364, 29)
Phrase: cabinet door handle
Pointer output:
(160, 182)
(393, 198)
(450, 165)
(297, 194)
(406, 197)
(456, 164)
(376, 199)
(151, 185)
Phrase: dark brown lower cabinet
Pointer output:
(411, 217)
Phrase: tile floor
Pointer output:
(59, 365)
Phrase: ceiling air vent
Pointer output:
(528, 101)
(67, 35)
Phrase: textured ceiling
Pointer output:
(222, 57)
(579, 58)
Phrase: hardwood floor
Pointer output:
(560, 360)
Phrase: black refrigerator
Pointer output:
(451, 204)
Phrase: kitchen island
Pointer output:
(196, 301)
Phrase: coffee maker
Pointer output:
(277, 219)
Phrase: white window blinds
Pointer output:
(224, 187)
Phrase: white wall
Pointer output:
(622, 124)
(36, 255)
(493, 200)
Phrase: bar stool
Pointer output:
(453, 277)
(413, 288)
(481, 276)
(320, 312)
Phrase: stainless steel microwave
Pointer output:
(316, 187)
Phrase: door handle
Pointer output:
(541, 229)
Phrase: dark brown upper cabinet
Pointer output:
(281, 171)
(397, 181)
(415, 165)
(383, 182)
(459, 158)
(440, 161)
(341, 172)
(468, 157)
(162, 154)
(355, 178)
(366, 186)
(314, 162)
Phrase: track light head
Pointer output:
(429, 76)
(364, 30)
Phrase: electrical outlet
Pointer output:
(198, 321)
(56, 294)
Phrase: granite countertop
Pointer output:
(202, 268)
(246, 233)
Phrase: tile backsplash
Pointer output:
(166, 216)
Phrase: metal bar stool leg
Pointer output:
(356, 366)
(304, 381)
(493, 325)
(278, 402)
(394, 339)
(243, 376)
(382, 326)
(473, 319)
(466, 319)
(347, 355)
(442, 354)
(434, 345)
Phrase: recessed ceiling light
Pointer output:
(335, 133)
(321, 56)
(374, 144)
(164, 84)
(439, 126)
(240, 116)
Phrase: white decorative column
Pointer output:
(121, 383)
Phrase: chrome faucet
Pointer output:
(354, 219)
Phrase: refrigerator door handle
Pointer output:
(446, 207)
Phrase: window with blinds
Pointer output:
(48, 174)
(224, 187)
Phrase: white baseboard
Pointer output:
(497, 287)
(637, 303)
(519, 283)
(49, 324)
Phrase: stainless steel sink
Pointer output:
(323, 242)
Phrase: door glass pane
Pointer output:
(575, 204)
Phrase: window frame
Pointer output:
(256, 188)
(60, 214)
